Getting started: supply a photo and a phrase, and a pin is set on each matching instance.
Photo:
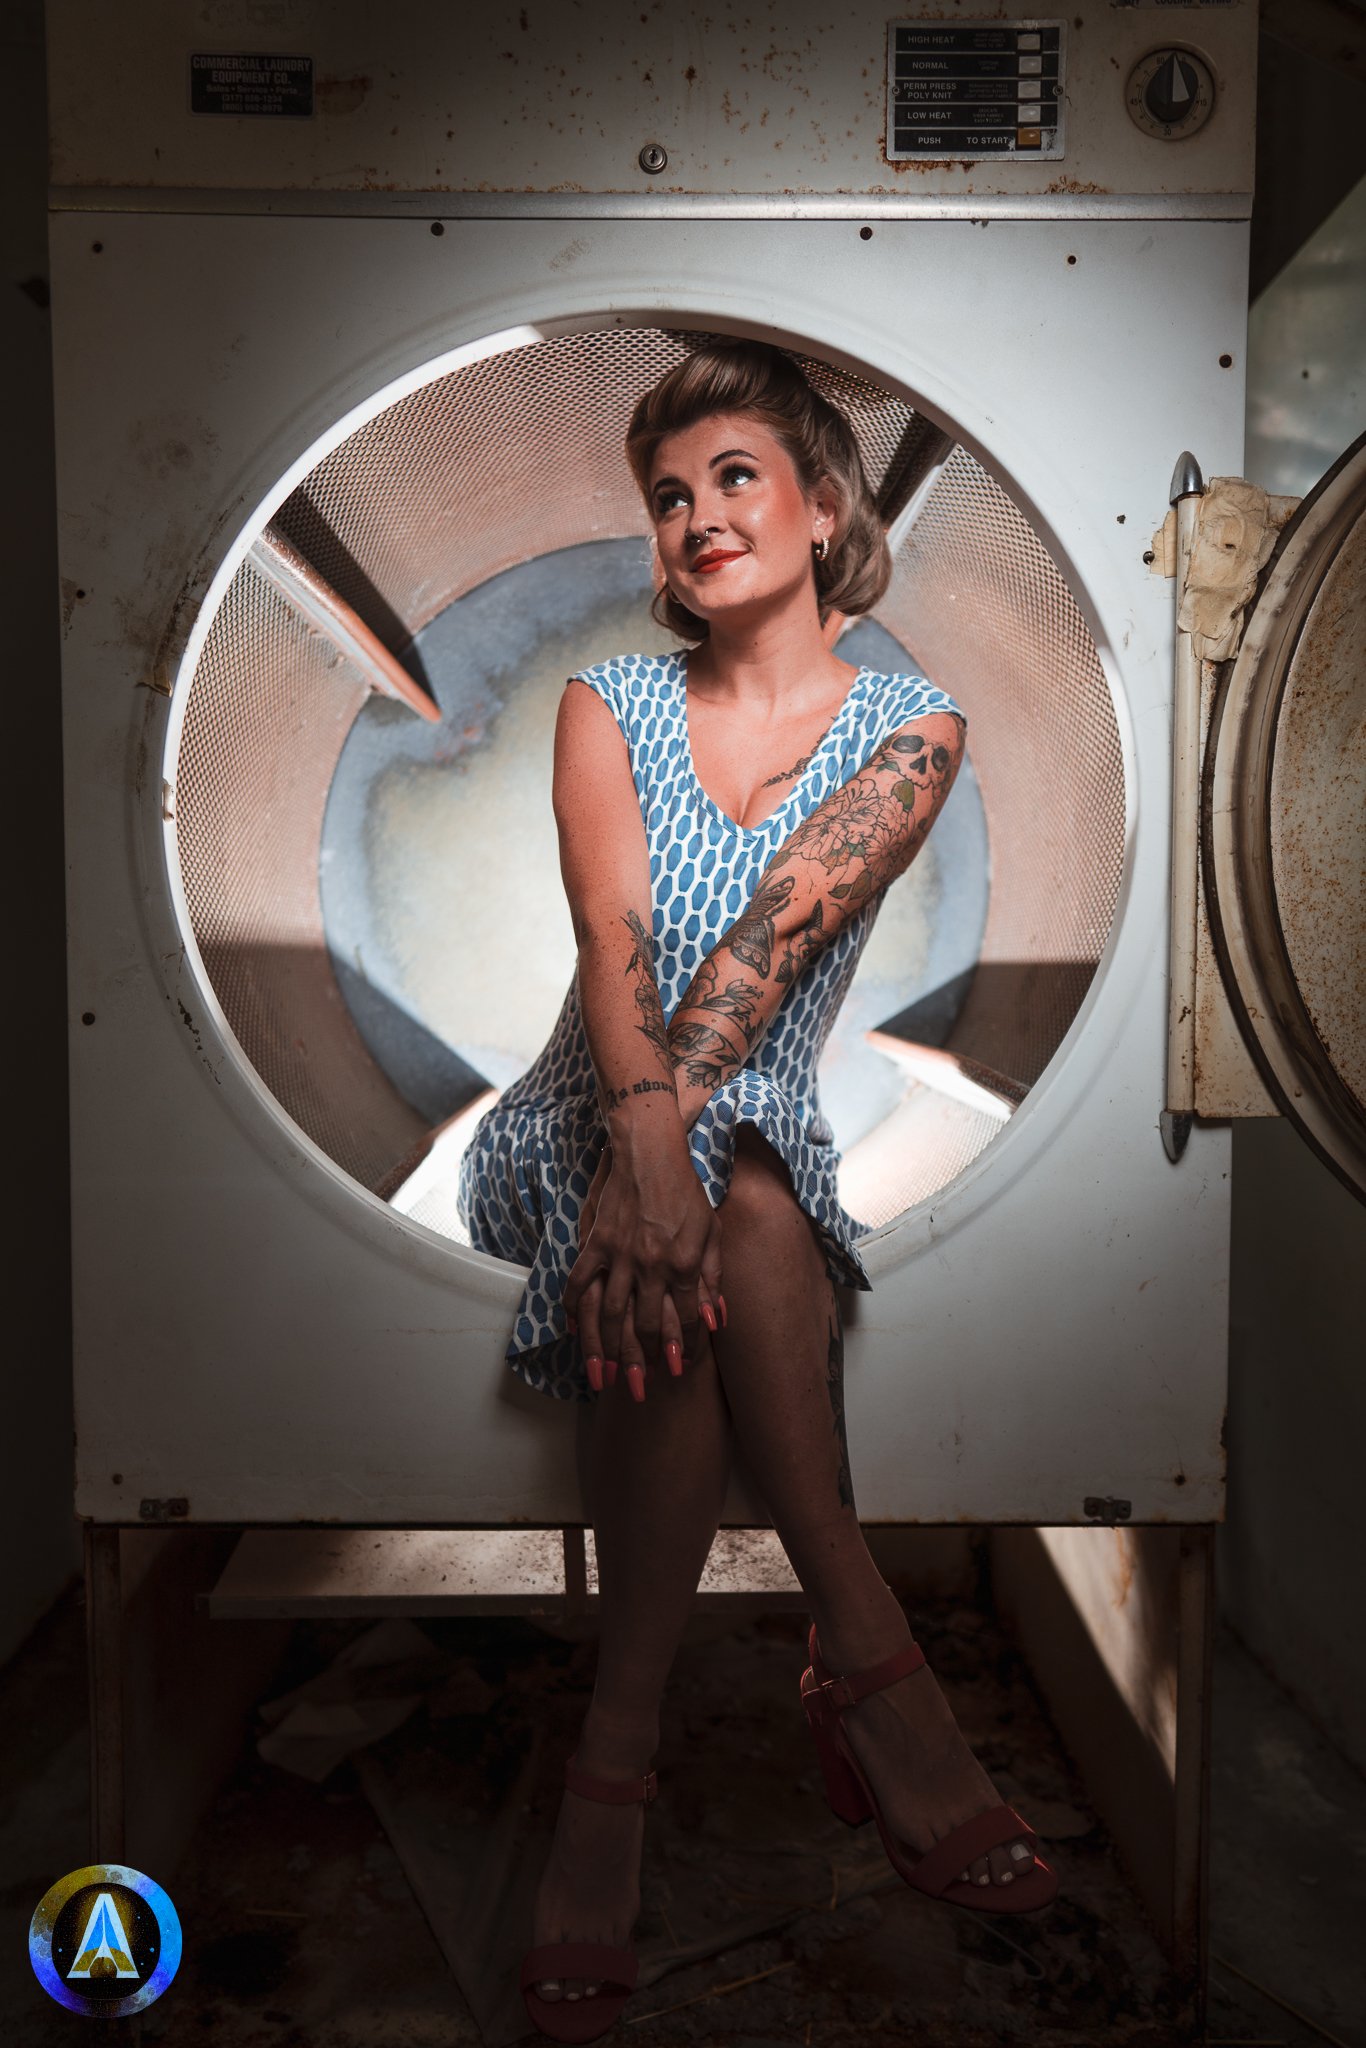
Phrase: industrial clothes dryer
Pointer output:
(346, 335)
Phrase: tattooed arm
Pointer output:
(654, 1236)
(605, 867)
(862, 837)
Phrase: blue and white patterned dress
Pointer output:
(527, 1169)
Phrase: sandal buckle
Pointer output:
(839, 1692)
(651, 1787)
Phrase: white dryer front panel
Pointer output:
(259, 1337)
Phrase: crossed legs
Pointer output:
(657, 1478)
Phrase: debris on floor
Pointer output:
(764, 1923)
(367, 1691)
(763, 1918)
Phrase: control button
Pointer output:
(1171, 89)
(1029, 138)
(1170, 94)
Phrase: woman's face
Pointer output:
(734, 527)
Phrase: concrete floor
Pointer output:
(764, 1922)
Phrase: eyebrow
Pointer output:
(724, 456)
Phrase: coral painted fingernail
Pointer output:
(721, 1304)
(635, 1380)
(593, 1367)
(610, 1369)
(709, 1316)
(673, 1353)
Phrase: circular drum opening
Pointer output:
(372, 880)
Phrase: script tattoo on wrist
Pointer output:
(614, 1097)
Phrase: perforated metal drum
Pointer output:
(512, 457)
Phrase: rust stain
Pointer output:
(140, 621)
(341, 95)
(188, 1021)
(160, 453)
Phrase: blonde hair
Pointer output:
(752, 378)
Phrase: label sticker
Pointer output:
(223, 84)
(977, 89)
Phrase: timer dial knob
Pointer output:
(1170, 93)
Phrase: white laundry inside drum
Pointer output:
(375, 900)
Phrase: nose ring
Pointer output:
(696, 539)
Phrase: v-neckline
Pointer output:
(681, 680)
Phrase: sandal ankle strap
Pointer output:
(611, 1791)
(856, 1686)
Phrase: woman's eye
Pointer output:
(665, 502)
(736, 473)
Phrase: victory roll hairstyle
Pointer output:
(752, 378)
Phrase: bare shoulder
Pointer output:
(584, 707)
(588, 736)
(593, 787)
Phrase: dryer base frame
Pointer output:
(1159, 1823)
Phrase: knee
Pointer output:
(760, 1193)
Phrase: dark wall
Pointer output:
(39, 1537)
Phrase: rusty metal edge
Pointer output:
(1245, 927)
(970, 206)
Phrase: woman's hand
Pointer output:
(649, 1266)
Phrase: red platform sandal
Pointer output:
(612, 1969)
(937, 1872)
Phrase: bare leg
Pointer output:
(657, 1479)
(781, 1359)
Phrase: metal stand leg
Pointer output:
(1084, 1646)
(1194, 1689)
(104, 1667)
(104, 1672)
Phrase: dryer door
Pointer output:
(1284, 822)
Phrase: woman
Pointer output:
(729, 820)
